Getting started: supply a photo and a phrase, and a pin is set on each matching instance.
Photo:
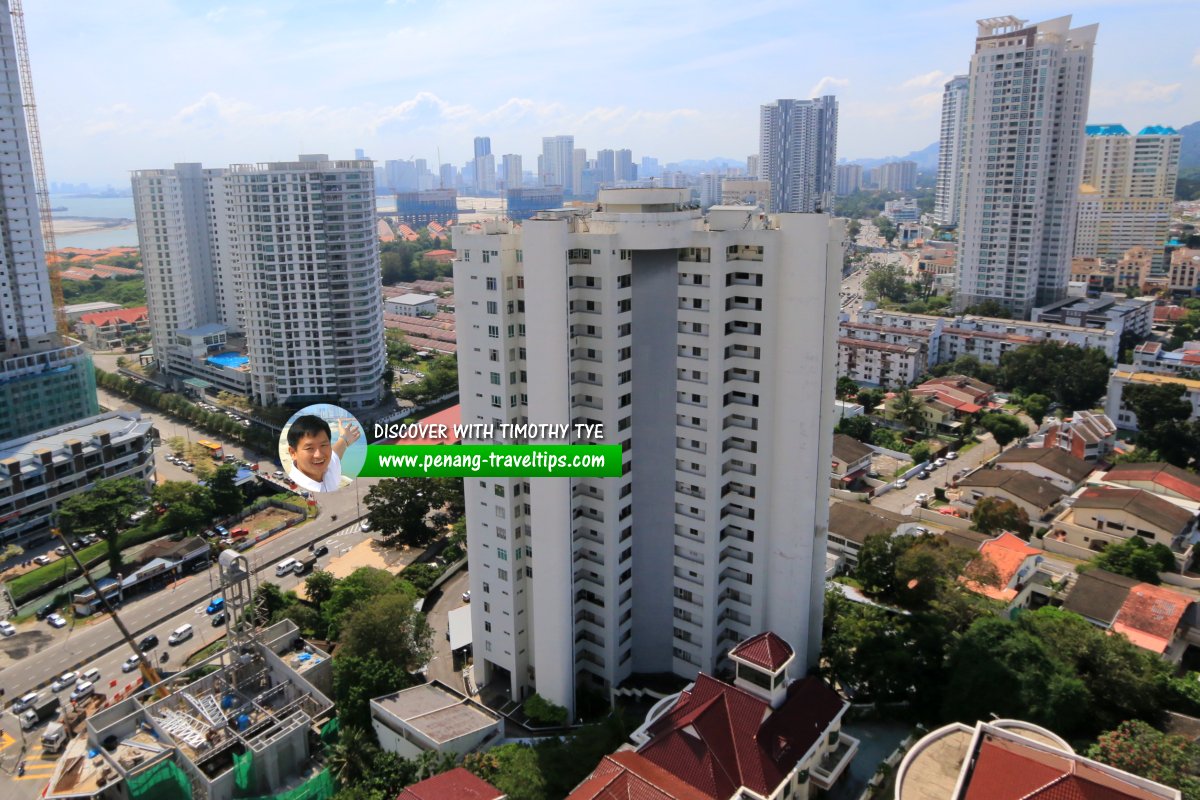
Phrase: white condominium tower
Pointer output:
(704, 344)
(45, 381)
(1128, 186)
(950, 149)
(558, 162)
(264, 279)
(1022, 152)
(797, 153)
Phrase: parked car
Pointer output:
(47, 610)
(238, 533)
(43, 560)
(7, 628)
(62, 549)
(57, 621)
(953, 454)
(222, 531)
(922, 498)
(941, 462)
(923, 474)
(901, 483)
(148, 643)
(63, 681)
(130, 664)
(466, 596)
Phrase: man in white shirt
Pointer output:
(316, 460)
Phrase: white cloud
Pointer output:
(209, 111)
(925, 81)
(825, 84)
(1196, 59)
(1134, 93)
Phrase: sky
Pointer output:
(139, 84)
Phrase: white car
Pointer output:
(941, 462)
(56, 621)
(131, 663)
(7, 628)
(953, 454)
(901, 483)
(922, 498)
(63, 681)
(42, 560)
(83, 691)
(365, 525)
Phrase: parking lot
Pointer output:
(902, 499)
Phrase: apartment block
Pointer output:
(797, 153)
(849, 179)
(903, 210)
(1124, 376)
(1112, 312)
(950, 151)
(1184, 273)
(677, 332)
(1027, 104)
(895, 176)
(1153, 357)
(883, 355)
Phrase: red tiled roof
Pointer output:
(719, 738)
(449, 417)
(1001, 773)
(626, 775)
(1150, 615)
(1073, 787)
(457, 784)
(1165, 475)
(765, 650)
(1006, 553)
(117, 315)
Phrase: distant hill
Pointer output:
(926, 159)
(695, 166)
(1189, 152)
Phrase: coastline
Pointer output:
(71, 226)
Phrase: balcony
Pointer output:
(831, 766)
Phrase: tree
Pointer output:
(846, 387)
(350, 759)
(853, 229)
(970, 366)
(387, 628)
(887, 229)
(909, 409)
(1165, 409)
(104, 511)
(1134, 558)
(189, 506)
(227, 498)
(318, 587)
(355, 590)
(920, 452)
(541, 711)
(886, 282)
(996, 514)
(870, 398)
(397, 508)
(876, 568)
(1075, 377)
(268, 601)
(357, 679)
(1004, 428)
(1136, 747)
(989, 308)
(512, 768)
(1035, 405)
(860, 427)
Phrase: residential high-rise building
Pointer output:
(710, 189)
(558, 162)
(510, 167)
(45, 380)
(578, 165)
(264, 279)
(896, 176)
(483, 146)
(717, 527)
(1023, 147)
(753, 168)
(849, 179)
(447, 176)
(626, 171)
(485, 166)
(798, 153)
(650, 167)
(1127, 188)
(606, 164)
(950, 151)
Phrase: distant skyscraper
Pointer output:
(606, 164)
(510, 167)
(753, 166)
(650, 167)
(45, 381)
(798, 153)
(558, 162)
(849, 179)
(950, 151)
(360, 154)
(485, 166)
(483, 146)
(1128, 187)
(896, 176)
(1022, 153)
(625, 169)
(710, 189)
(448, 176)
(578, 165)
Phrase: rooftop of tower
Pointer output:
(1108, 130)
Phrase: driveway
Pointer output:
(903, 500)
(441, 664)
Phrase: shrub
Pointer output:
(541, 711)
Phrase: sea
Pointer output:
(100, 208)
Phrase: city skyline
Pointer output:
(262, 63)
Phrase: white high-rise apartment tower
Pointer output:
(45, 380)
(1128, 187)
(950, 150)
(705, 346)
(1027, 106)
(797, 153)
(283, 254)
(558, 162)
(510, 167)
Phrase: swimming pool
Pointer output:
(229, 360)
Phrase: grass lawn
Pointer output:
(849, 581)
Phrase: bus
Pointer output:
(214, 448)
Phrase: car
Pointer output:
(57, 621)
(131, 663)
(922, 499)
(953, 454)
(148, 643)
(229, 459)
(320, 550)
(466, 596)
(949, 512)
(238, 533)
(27, 700)
(215, 605)
(222, 530)
(62, 549)
(923, 474)
(188, 468)
(180, 634)
(47, 610)
(901, 483)
(365, 525)
(90, 676)
(218, 620)
(83, 691)
(279, 474)
(7, 628)
(872, 473)
(63, 681)
(941, 462)
(91, 538)
(285, 567)
(42, 560)
(78, 544)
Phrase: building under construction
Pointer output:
(251, 721)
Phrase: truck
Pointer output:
(305, 565)
(59, 732)
(32, 717)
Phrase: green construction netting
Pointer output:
(330, 731)
(319, 787)
(163, 781)
(243, 774)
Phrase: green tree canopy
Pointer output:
(997, 514)
(846, 387)
(1134, 558)
(1004, 428)
(398, 508)
(189, 506)
(511, 768)
(1138, 748)
(104, 511)
(887, 281)
(357, 679)
(226, 497)
(1075, 377)
(860, 427)
(1165, 409)
(355, 590)
(388, 628)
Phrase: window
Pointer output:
(493, 331)
(497, 401)
(493, 307)
(501, 554)
(491, 284)
(502, 574)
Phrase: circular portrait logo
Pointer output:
(322, 448)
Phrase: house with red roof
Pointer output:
(457, 784)
(1015, 563)
(1013, 760)
(948, 401)
(1084, 434)
(1159, 478)
(106, 330)
(1152, 617)
(765, 735)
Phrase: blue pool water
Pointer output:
(229, 360)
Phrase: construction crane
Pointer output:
(149, 673)
(39, 168)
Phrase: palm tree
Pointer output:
(910, 409)
(349, 759)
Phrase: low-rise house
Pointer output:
(766, 735)
(1153, 357)
(850, 524)
(946, 402)
(456, 784)
(1012, 760)
(1152, 617)
(1098, 516)
(1015, 563)
(1123, 376)
(431, 717)
(1167, 480)
(1049, 463)
(1035, 496)
(851, 461)
(411, 305)
(1084, 434)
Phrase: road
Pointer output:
(441, 665)
(903, 500)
